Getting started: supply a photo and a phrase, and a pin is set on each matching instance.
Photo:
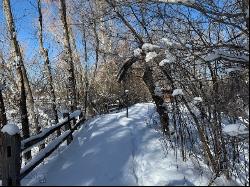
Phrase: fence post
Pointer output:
(11, 159)
(68, 127)
(41, 146)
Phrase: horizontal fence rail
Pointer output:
(12, 148)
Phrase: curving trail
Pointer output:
(115, 150)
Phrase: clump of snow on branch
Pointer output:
(166, 42)
(164, 62)
(215, 55)
(235, 129)
(229, 70)
(177, 92)
(158, 91)
(147, 47)
(137, 52)
(197, 100)
(10, 129)
(150, 56)
(169, 57)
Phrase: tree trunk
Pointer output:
(68, 57)
(19, 65)
(3, 119)
(3, 122)
(48, 74)
(148, 79)
(31, 100)
(78, 66)
(200, 128)
(86, 80)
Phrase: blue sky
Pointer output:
(25, 15)
(25, 18)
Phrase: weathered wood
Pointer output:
(3, 121)
(10, 149)
(27, 171)
(1, 157)
(38, 139)
(11, 160)
(42, 146)
(78, 124)
(68, 126)
(33, 141)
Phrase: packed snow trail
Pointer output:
(115, 150)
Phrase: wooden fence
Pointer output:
(113, 107)
(12, 147)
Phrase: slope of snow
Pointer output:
(114, 150)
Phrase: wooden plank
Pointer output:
(68, 126)
(11, 160)
(40, 137)
(37, 161)
(25, 172)
(79, 123)
(1, 154)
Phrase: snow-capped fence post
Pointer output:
(68, 127)
(79, 118)
(10, 158)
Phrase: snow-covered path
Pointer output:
(115, 150)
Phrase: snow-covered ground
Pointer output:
(115, 150)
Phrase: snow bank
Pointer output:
(10, 129)
(235, 129)
(177, 92)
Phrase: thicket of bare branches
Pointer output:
(90, 52)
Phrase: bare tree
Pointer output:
(19, 66)
(44, 53)
(68, 57)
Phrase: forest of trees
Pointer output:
(89, 52)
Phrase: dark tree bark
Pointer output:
(148, 79)
(19, 66)
(3, 119)
(44, 53)
(68, 57)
